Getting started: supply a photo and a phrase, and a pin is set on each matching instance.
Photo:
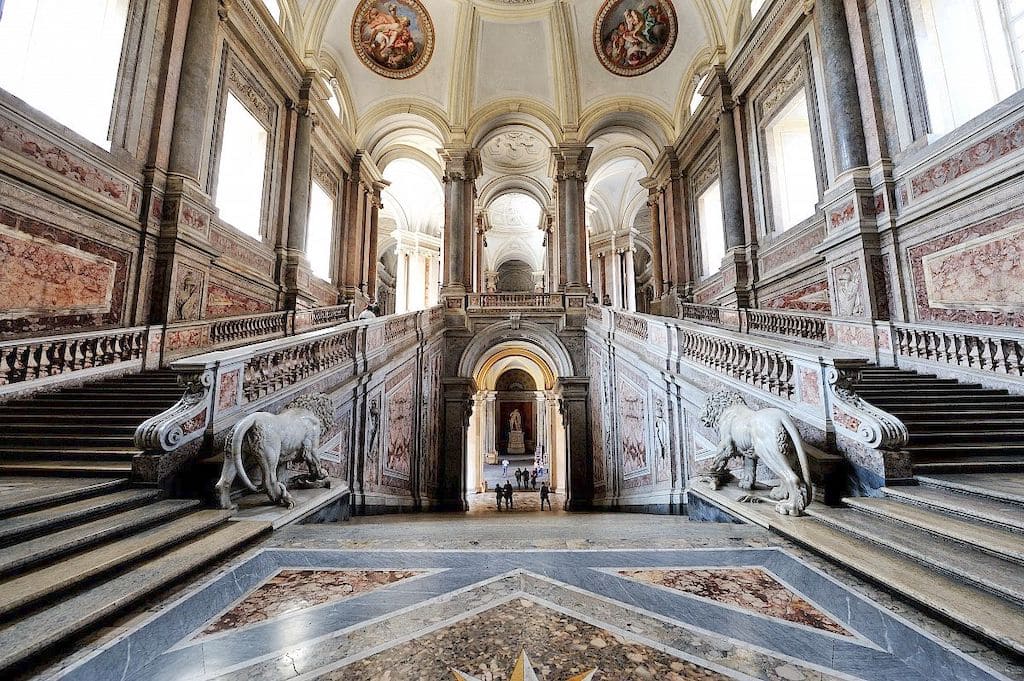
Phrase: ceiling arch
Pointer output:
(496, 61)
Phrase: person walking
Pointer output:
(499, 493)
(504, 467)
(519, 478)
(545, 496)
(533, 479)
(508, 495)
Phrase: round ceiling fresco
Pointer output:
(631, 37)
(394, 38)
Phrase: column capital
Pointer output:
(570, 161)
(460, 163)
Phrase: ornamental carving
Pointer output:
(253, 97)
(632, 37)
(393, 38)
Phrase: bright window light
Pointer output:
(243, 158)
(712, 229)
(791, 164)
(971, 54)
(334, 102)
(755, 6)
(274, 8)
(320, 234)
(697, 96)
(63, 57)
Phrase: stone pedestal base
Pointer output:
(516, 442)
(491, 458)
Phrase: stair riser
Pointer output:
(939, 467)
(66, 471)
(965, 576)
(56, 441)
(981, 437)
(62, 522)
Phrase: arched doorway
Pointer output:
(515, 418)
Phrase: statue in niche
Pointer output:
(767, 435)
(374, 427)
(848, 291)
(273, 440)
(515, 421)
(186, 303)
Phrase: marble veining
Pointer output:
(748, 588)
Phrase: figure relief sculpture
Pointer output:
(274, 440)
(186, 303)
(848, 291)
(661, 427)
(766, 435)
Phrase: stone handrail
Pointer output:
(802, 325)
(515, 300)
(223, 386)
(997, 351)
(815, 381)
(709, 314)
(238, 329)
(38, 359)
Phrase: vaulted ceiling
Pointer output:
(534, 58)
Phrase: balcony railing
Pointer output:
(491, 301)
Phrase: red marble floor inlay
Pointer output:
(748, 588)
(293, 590)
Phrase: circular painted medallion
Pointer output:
(631, 37)
(394, 38)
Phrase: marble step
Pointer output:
(903, 381)
(931, 451)
(1001, 543)
(1007, 488)
(83, 411)
(955, 392)
(22, 496)
(995, 511)
(1010, 412)
(124, 428)
(30, 589)
(972, 464)
(90, 608)
(54, 518)
(12, 421)
(47, 439)
(981, 435)
(119, 451)
(916, 402)
(980, 612)
(68, 468)
(1000, 577)
(64, 401)
(982, 421)
(19, 557)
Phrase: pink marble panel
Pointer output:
(632, 408)
(810, 387)
(222, 301)
(227, 391)
(751, 589)
(791, 251)
(810, 298)
(843, 215)
(994, 147)
(398, 438)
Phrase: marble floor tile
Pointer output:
(293, 590)
(751, 589)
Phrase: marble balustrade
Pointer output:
(224, 386)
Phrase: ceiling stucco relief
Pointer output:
(515, 151)
(632, 37)
(393, 38)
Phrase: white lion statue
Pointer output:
(274, 440)
(766, 435)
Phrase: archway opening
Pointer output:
(515, 426)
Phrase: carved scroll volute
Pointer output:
(185, 421)
(859, 420)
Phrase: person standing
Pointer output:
(545, 496)
(499, 494)
(508, 495)
(519, 478)
(533, 479)
(504, 467)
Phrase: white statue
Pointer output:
(766, 435)
(515, 420)
(274, 440)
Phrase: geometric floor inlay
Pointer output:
(293, 590)
(748, 588)
(489, 644)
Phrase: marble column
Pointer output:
(462, 167)
(840, 77)
(480, 256)
(616, 279)
(570, 172)
(295, 261)
(573, 395)
(657, 270)
(458, 409)
(630, 280)
(542, 442)
(667, 191)
(195, 84)
(355, 225)
(732, 190)
(490, 416)
(372, 238)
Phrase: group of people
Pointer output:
(526, 479)
(504, 493)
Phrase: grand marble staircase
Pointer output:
(954, 539)
(79, 542)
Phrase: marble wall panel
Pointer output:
(223, 301)
(598, 419)
(53, 278)
(398, 439)
(809, 298)
(633, 410)
(973, 275)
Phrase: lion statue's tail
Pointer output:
(235, 445)
(801, 454)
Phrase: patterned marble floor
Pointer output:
(472, 598)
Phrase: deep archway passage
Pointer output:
(516, 425)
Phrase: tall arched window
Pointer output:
(794, 184)
(712, 229)
(63, 58)
(320, 232)
(971, 55)
(243, 162)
